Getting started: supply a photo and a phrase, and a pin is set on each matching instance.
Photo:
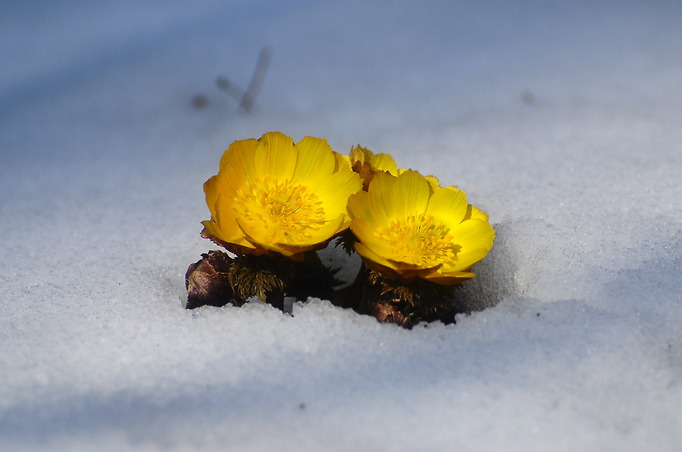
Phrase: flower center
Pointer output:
(284, 211)
(420, 240)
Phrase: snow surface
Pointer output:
(563, 120)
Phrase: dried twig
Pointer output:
(247, 98)
(247, 101)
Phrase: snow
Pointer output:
(560, 119)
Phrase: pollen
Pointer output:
(288, 212)
(420, 240)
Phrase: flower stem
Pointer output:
(276, 299)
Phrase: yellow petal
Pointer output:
(366, 233)
(411, 195)
(230, 179)
(474, 212)
(323, 233)
(433, 182)
(475, 238)
(211, 191)
(343, 163)
(467, 260)
(384, 162)
(448, 204)
(258, 235)
(359, 154)
(450, 278)
(364, 230)
(335, 189)
(358, 207)
(315, 158)
(240, 153)
(225, 220)
(367, 253)
(381, 200)
(222, 222)
(212, 228)
(473, 234)
(275, 156)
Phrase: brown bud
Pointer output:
(389, 313)
(208, 283)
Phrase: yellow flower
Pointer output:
(271, 195)
(409, 227)
(367, 164)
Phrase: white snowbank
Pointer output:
(561, 120)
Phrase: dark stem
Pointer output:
(275, 298)
(357, 295)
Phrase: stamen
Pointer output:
(288, 212)
(419, 240)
